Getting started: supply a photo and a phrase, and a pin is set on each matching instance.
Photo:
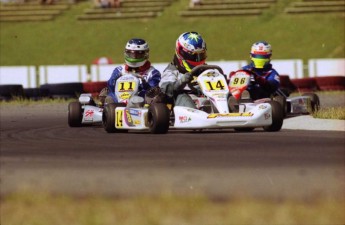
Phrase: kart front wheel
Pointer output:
(277, 117)
(75, 114)
(158, 117)
(108, 117)
(282, 101)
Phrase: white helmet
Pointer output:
(136, 52)
(260, 54)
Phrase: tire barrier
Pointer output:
(286, 84)
(94, 87)
(331, 83)
(63, 90)
(73, 90)
(11, 91)
(306, 84)
(36, 93)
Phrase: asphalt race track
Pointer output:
(40, 152)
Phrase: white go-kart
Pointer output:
(215, 109)
(130, 113)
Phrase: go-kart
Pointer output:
(130, 113)
(214, 109)
(84, 111)
(293, 106)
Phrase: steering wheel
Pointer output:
(196, 71)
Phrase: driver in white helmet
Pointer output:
(266, 78)
(190, 51)
(136, 60)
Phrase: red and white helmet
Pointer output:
(260, 54)
(190, 50)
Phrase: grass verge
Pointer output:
(42, 209)
(337, 113)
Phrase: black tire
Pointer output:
(158, 117)
(282, 102)
(9, 91)
(244, 129)
(64, 90)
(277, 117)
(75, 114)
(314, 104)
(108, 118)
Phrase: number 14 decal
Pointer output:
(216, 85)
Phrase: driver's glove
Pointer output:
(260, 80)
(181, 83)
(186, 78)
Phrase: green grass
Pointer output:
(69, 41)
(337, 113)
(42, 209)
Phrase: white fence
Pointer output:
(28, 76)
(63, 74)
(24, 75)
(326, 67)
(291, 67)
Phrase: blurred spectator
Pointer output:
(116, 3)
(108, 3)
(193, 3)
(46, 2)
(102, 3)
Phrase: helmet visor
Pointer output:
(136, 56)
(260, 63)
(193, 56)
(261, 56)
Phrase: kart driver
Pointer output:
(266, 78)
(136, 56)
(190, 51)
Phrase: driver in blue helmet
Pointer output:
(136, 60)
(190, 51)
(266, 78)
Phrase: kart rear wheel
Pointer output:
(314, 104)
(277, 117)
(282, 101)
(158, 117)
(75, 114)
(108, 117)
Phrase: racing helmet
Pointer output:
(260, 54)
(136, 52)
(190, 50)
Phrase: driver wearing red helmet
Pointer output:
(190, 52)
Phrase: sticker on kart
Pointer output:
(220, 115)
(130, 117)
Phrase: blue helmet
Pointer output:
(136, 52)
(191, 50)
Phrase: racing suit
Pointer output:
(266, 81)
(173, 84)
(151, 76)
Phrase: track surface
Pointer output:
(39, 152)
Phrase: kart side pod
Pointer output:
(118, 118)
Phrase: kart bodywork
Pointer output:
(157, 118)
(84, 111)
